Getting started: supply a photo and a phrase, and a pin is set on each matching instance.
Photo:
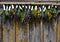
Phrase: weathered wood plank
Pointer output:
(18, 33)
(35, 3)
(58, 30)
(12, 32)
(4, 34)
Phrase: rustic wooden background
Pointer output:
(34, 32)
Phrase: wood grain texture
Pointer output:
(38, 29)
(35, 3)
(58, 30)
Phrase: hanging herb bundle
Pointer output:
(11, 17)
(29, 17)
(54, 11)
(22, 14)
(3, 16)
(48, 15)
(11, 13)
(36, 13)
(51, 13)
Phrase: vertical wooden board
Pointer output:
(30, 32)
(4, 33)
(37, 32)
(54, 31)
(59, 33)
(0, 36)
(27, 32)
(31, 27)
(18, 32)
(44, 26)
(41, 31)
(0, 28)
(11, 35)
(33, 32)
(7, 30)
(45, 32)
(12, 32)
(50, 33)
(58, 39)
(25, 39)
(20, 37)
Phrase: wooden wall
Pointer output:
(33, 32)
(36, 33)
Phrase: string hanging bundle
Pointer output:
(30, 13)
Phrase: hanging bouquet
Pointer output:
(11, 14)
(54, 11)
(22, 14)
(3, 14)
(36, 13)
(51, 13)
(29, 17)
(48, 15)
